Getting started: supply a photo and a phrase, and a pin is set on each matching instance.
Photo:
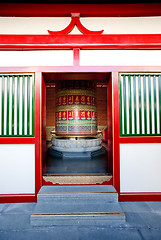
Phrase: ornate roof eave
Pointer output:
(75, 21)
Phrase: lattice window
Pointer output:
(140, 104)
(17, 105)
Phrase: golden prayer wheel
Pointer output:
(76, 112)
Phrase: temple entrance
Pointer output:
(76, 127)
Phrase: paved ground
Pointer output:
(143, 221)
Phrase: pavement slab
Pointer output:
(143, 222)
(135, 207)
(151, 234)
(2, 206)
(155, 206)
(15, 208)
(152, 220)
(73, 234)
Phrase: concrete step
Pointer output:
(77, 205)
(74, 194)
(77, 214)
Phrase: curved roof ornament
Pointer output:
(75, 20)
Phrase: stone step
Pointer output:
(77, 214)
(77, 194)
(77, 205)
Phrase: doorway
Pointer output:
(98, 164)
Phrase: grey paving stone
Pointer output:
(39, 235)
(141, 224)
(152, 220)
(20, 208)
(73, 234)
(134, 220)
(2, 206)
(151, 234)
(14, 221)
(135, 207)
(110, 234)
(155, 206)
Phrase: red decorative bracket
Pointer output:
(75, 20)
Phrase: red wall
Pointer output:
(50, 106)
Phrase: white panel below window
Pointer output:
(36, 58)
(17, 168)
(140, 167)
(120, 57)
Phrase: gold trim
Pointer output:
(77, 123)
(76, 92)
(82, 213)
(16, 195)
(82, 107)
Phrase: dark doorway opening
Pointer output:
(97, 164)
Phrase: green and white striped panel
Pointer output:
(140, 104)
(17, 105)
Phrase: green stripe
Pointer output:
(150, 112)
(28, 105)
(159, 82)
(23, 102)
(33, 105)
(2, 105)
(13, 86)
(130, 105)
(155, 101)
(5, 108)
(8, 87)
(125, 116)
(135, 119)
(145, 102)
(120, 103)
(18, 102)
(140, 113)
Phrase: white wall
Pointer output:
(17, 168)
(110, 25)
(87, 58)
(36, 58)
(140, 167)
(120, 57)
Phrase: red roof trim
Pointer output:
(111, 41)
(86, 10)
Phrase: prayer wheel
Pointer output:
(76, 112)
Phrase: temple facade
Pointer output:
(80, 96)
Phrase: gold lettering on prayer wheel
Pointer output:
(76, 112)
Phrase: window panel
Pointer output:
(17, 105)
(140, 104)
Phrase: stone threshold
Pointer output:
(77, 179)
